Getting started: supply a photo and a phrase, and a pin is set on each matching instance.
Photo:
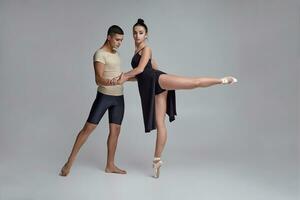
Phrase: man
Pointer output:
(109, 97)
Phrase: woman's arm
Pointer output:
(132, 79)
(146, 55)
(154, 64)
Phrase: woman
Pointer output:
(157, 89)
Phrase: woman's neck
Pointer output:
(140, 46)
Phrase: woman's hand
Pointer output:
(114, 80)
(122, 78)
(118, 80)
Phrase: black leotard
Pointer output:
(149, 87)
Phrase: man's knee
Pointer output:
(114, 129)
(88, 128)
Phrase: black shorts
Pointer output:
(103, 102)
(158, 89)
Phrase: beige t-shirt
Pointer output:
(112, 69)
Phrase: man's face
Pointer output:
(115, 40)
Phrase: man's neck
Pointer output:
(107, 47)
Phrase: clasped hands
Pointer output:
(118, 80)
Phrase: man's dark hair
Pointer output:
(114, 29)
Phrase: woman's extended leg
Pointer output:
(173, 82)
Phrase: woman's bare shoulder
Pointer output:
(147, 50)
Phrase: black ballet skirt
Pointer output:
(149, 87)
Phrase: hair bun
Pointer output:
(140, 21)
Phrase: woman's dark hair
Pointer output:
(140, 22)
(114, 29)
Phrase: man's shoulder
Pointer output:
(103, 52)
(99, 51)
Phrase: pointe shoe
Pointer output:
(157, 163)
(228, 80)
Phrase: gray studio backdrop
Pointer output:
(47, 88)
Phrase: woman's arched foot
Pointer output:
(65, 170)
(114, 169)
(157, 163)
(228, 80)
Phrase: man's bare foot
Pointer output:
(65, 170)
(114, 169)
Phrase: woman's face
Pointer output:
(139, 34)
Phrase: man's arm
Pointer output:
(99, 71)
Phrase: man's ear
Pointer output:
(108, 37)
